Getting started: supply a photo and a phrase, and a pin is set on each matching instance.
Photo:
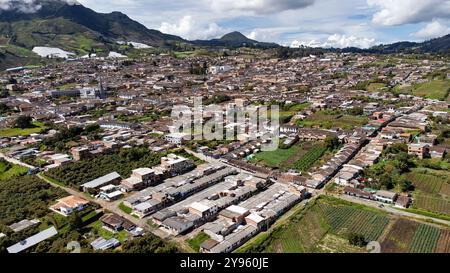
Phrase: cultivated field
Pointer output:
(323, 226)
(327, 120)
(432, 203)
(300, 156)
(407, 236)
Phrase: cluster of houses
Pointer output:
(112, 187)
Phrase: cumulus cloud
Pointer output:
(398, 12)
(337, 41)
(27, 6)
(191, 29)
(432, 30)
(258, 6)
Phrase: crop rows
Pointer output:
(308, 160)
(433, 204)
(347, 219)
(425, 239)
(426, 182)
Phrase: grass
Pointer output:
(97, 228)
(376, 87)
(434, 89)
(8, 170)
(327, 120)
(13, 132)
(125, 209)
(275, 159)
(196, 241)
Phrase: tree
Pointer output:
(75, 222)
(357, 240)
(406, 185)
(23, 122)
(332, 142)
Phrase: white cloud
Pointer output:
(337, 41)
(258, 6)
(432, 30)
(26, 6)
(191, 29)
(398, 12)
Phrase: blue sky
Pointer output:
(337, 23)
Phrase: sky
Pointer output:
(326, 23)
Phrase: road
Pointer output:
(110, 206)
(15, 161)
(389, 209)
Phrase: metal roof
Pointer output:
(33, 240)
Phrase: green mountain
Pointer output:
(234, 39)
(73, 27)
(439, 45)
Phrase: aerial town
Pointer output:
(99, 135)
(89, 152)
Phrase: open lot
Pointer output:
(12, 132)
(434, 89)
(8, 170)
(300, 157)
(328, 120)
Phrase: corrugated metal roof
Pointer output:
(33, 240)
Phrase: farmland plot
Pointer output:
(425, 239)
(399, 237)
(443, 245)
(432, 203)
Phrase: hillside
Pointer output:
(74, 27)
(439, 45)
(234, 39)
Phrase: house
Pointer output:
(176, 138)
(358, 193)
(103, 244)
(420, 150)
(385, 197)
(176, 165)
(33, 240)
(80, 153)
(403, 201)
(289, 129)
(116, 223)
(204, 209)
(438, 152)
(110, 193)
(207, 245)
(177, 225)
(112, 178)
(69, 204)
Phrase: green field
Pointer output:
(328, 120)
(125, 209)
(196, 241)
(434, 89)
(300, 157)
(13, 132)
(276, 158)
(8, 170)
(376, 87)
